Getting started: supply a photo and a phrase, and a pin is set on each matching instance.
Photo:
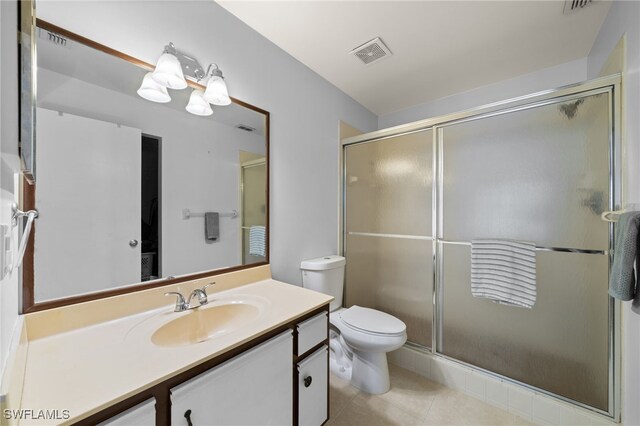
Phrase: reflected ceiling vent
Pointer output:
(245, 128)
(571, 6)
(372, 51)
(54, 38)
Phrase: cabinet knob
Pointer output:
(307, 381)
(133, 243)
(187, 415)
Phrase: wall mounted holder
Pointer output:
(187, 214)
(31, 216)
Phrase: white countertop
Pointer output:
(88, 369)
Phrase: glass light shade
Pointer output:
(168, 72)
(216, 92)
(152, 91)
(197, 105)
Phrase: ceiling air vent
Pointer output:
(245, 128)
(575, 5)
(372, 51)
(52, 37)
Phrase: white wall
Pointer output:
(548, 78)
(200, 171)
(624, 17)
(305, 109)
(9, 165)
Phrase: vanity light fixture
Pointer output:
(197, 105)
(171, 71)
(153, 91)
(168, 70)
(216, 92)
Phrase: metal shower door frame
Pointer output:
(609, 85)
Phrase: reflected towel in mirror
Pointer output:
(211, 226)
(257, 241)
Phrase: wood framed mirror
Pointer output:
(134, 194)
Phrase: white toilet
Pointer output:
(360, 337)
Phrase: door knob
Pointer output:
(133, 243)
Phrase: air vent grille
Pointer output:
(575, 5)
(52, 37)
(245, 128)
(372, 51)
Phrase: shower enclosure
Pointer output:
(540, 168)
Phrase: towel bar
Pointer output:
(557, 249)
(614, 215)
(187, 214)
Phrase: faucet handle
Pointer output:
(204, 289)
(181, 304)
(201, 293)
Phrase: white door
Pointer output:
(88, 197)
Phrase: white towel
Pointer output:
(257, 241)
(504, 271)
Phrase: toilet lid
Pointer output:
(372, 321)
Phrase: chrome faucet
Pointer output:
(181, 305)
(200, 293)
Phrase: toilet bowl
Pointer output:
(360, 337)
(368, 335)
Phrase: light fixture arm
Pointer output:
(190, 66)
(215, 72)
(170, 48)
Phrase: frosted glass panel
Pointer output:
(388, 185)
(560, 345)
(538, 175)
(393, 275)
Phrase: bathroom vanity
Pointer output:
(125, 370)
(280, 386)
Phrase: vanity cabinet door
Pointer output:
(313, 382)
(143, 414)
(253, 388)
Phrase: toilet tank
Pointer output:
(326, 275)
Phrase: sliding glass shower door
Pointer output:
(539, 175)
(540, 172)
(388, 226)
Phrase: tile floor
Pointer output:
(412, 400)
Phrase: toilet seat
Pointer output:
(371, 321)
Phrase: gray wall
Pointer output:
(548, 78)
(305, 108)
(624, 17)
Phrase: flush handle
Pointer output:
(307, 381)
(187, 415)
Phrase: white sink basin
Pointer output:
(222, 315)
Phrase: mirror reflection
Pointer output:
(149, 187)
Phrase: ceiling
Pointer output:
(439, 47)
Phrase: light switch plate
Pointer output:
(5, 251)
